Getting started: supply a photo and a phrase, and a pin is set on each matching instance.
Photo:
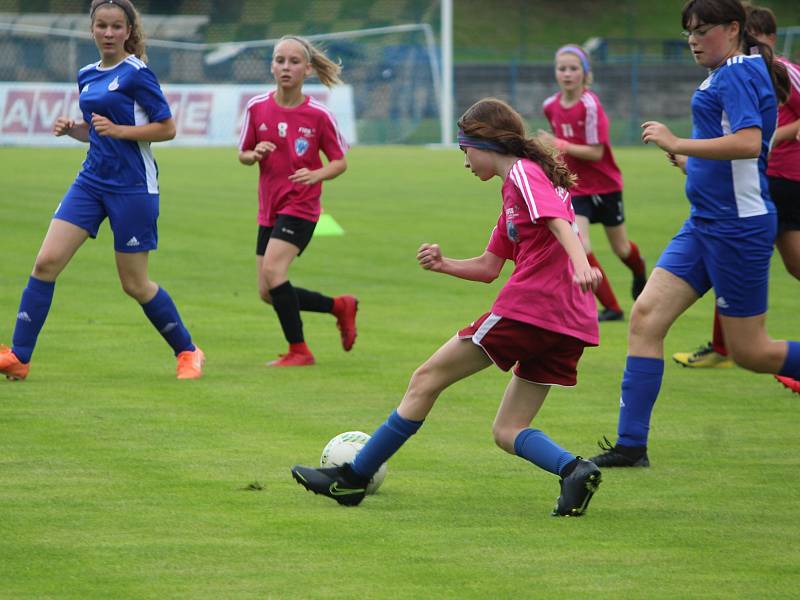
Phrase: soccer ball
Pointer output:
(343, 449)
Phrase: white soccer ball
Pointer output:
(343, 449)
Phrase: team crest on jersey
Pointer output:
(511, 229)
(282, 127)
(300, 146)
(706, 82)
(114, 85)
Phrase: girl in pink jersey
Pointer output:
(580, 132)
(539, 324)
(284, 131)
(783, 172)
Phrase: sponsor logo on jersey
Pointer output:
(114, 85)
(262, 127)
(85, 88)
(306, 131)
(300, 146)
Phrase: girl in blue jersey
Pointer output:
(727, 242)
(123, 110)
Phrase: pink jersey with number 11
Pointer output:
(585, 123)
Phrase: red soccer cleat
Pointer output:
(788, 382)
(345, 309)
(190, 364)
(293, 359)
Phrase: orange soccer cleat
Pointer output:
(11, 366)
(792, 384)
(345, 309)
(190, 364)
(293, 359)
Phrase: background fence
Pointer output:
(642, 68)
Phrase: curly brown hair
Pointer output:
(495, 120)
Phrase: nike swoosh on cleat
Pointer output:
(335, 490)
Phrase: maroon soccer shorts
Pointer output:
(540, 355)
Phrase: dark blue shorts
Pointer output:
(133, 217)
(730, 255)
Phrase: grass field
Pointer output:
(117, 481)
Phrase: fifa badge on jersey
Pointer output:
(282, 127)
(300, 146)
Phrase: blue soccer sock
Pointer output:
(386, 440)
(33, 308)
(164, 316)
(534, 446)
(641, 382)
(791, 366)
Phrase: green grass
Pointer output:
(117, 481)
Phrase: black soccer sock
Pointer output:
(313, 301)
(285, 303)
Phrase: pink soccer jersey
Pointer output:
(299, 133)
(585, 123)
(784, 160)
(540, 291)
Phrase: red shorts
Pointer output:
(542, 356)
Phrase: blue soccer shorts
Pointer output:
(730, 255)
(133, 217)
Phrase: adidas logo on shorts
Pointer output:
(133, 242)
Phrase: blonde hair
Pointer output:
(135, 42)
(327, 71)
(583, 58)
(494, 120)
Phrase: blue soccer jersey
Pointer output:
(736, 95)
(126, 94)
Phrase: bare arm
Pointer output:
(158, 131)
(745, 143)
(330, 171)
(485, 267)
(586, 276)
(250, 157)
(590, 152)
(787, 132)
(67, 126)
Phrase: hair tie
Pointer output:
(579, 53)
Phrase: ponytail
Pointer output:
(327, 71)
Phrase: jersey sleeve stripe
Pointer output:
(245, 128)
(521, 182)
(794, 75)
(343, 146)
(592, 135)
(135, 62)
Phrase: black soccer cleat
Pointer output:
(620, 456)
(608, 314)
(638, 284)
(339, 483)
(577, 490)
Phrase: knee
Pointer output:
(622, 250)
(422, 381)
(138, 290)
(794, 270)
(505, 436)
(263, 292)
(756, 357)
(45, 267)
(642, 322)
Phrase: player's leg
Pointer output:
(585, 206)
(59, 246)
(628, 253)
(455, 360)
(788, 244)
(664, 298)
(161, 311)
(512, 432)
(273, 279)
